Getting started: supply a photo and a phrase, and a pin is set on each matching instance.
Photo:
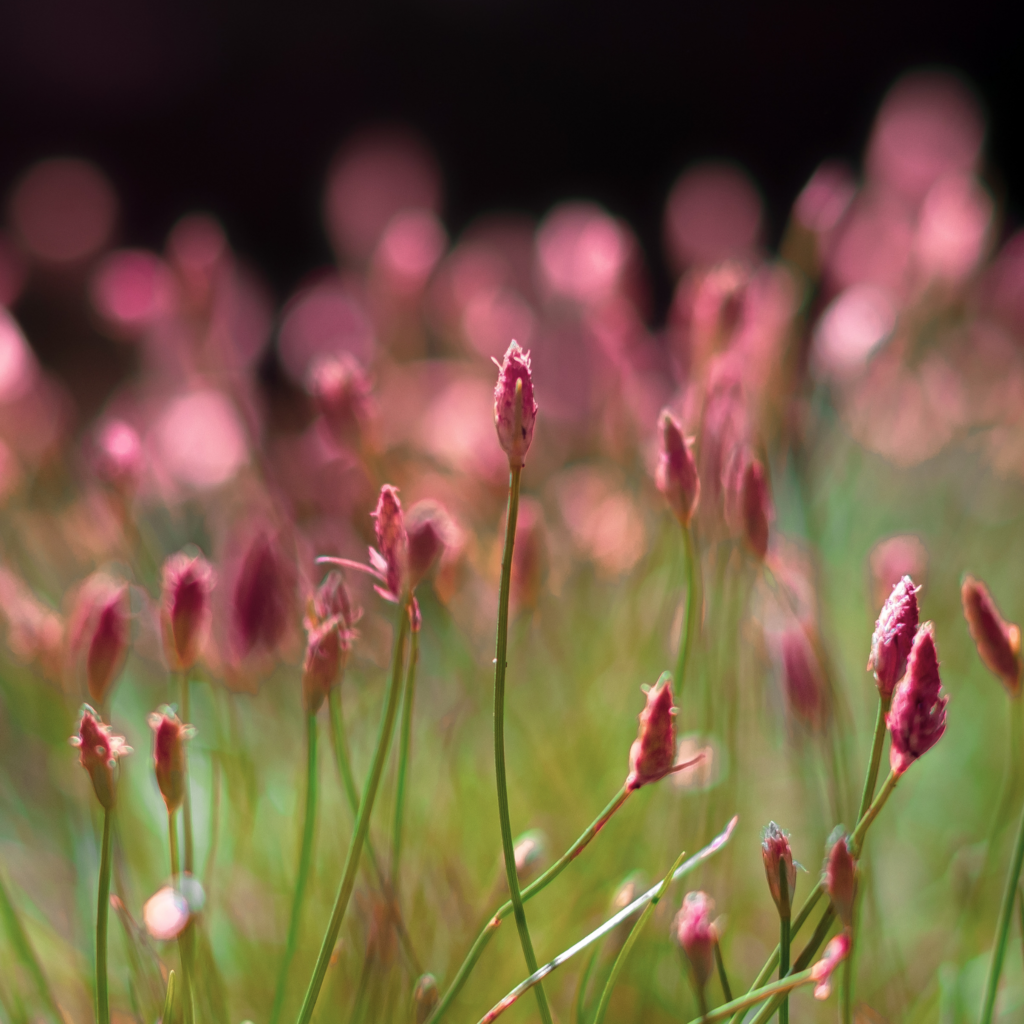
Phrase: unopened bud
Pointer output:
(425, 997)
(652, 754)
(99, 750)
(917, 717)
(100, 627)
(427, 529)
(169, 736)
(676, 474)
(894, 636)
(756, 508)
(185, 612)
(696, 934)
(775, 851)
(835, 953)
(321, 665)
(998, 642)
(261, 597)
(841, 880)
(392, 556)
(515, 411)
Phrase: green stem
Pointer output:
(846, 1003)
(352, 793)
(167, 1017)
(500, 665)
(183, 943)
(186, 806)
(876, 756)
(405, 736)
(531, 890)
(1003, 926)
(693, 608)
(856, 840)
(783, 937)
(102, 909)
(26, 954)
(362, 825)
(754, 997)
(722, 976)
(634, 934)
(305, 860)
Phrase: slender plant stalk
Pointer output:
(102, 910)
(26, 954)
(871, 779)
(693, 608)
(362, 824)
(186, 805)
(580, 999)
(722, 976)
(857, 839)
(846, 996)
(755, 996)
(305, 860)
(613, 922)
(500, 665)
(531, 890)
(211, 853)
(184, 946)
(627, 946)
(784, 916)
(168, 1015)
(352, 793)
(1003, 926)
(405, 736)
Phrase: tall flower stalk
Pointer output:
(404, 742)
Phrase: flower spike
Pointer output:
(893, 636)
(676, 474)
(917, 718)
(515, 411)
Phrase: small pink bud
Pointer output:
(515, 411)
(169, 735)
(100, 627)
(775, 851)
(340, 392)
(998, 642)
(676, 474)
(755, 508)
(329, 637)
(652, 754)
(118, 455)
(893, 636)
(392, 542)
(835, 953)
(697, 935)
(425, 997)
(99, 750)
(261, 597)
(917, 717)
(427, 529)
(185, 612)
(841, 880)
(802, 676)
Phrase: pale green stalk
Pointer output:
(722, 976)
(305, 860)
(168, 1015)
(500, 665)
(26, 954)
(627, 946)
(871, 779)
(186, 805)
(362, 824)
(102, 910)
(755, 996)
(184, 946)
(405, 737)
(784, 916)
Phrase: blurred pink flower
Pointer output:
(892, 559)
(132, 289)
(409, 249)
(201, 440)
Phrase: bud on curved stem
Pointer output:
(998, 641)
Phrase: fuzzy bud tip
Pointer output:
(775, 851)
(652, 754)
(893, 636)
(917, 717)
(169, 736)
(185, 608)
(676, 474)
(515, 411)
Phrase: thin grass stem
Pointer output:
(405, 737)
(102, 912)
(186, 805)
(722, 976)
(184, 948)
(784, 921)
(878, 742)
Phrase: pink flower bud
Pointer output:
(424, 998)
(329, 637)
(515, 411)
(99, 750)
(835, 953)
(893, 636)
(775, 851)
(185, 611)
(802, 676)
(917, 717)
(755, 508)
(118, 455)
(998, 642)
(652, 754)
(392, 558)
(341, 392)
(696, 934)
(332, 601)
(100, 627)
(676, 473)
(841, 880)
(427, 528)
(261, 598)
(169, 735)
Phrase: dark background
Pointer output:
(238, 108)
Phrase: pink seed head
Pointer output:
(185, 608)
(428, 529)
(392, 539)
(755, 508)
(169, 735)
(893, 636)
(515, 411)
(100, 626)
(260, 599)
(99, 750)
(835, 953)
(998, 641)
(676, 474)
(841, 880)
(321, 665)
(917, 717)
(425, 997)
(802, 677)
(775, 851)
(652, 754)
(697, 935)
